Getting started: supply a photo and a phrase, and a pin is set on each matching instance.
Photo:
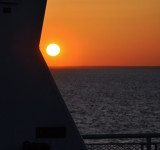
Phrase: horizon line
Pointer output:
(54, 67)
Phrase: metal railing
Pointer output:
(122, 141)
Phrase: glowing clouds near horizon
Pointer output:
(53, 49)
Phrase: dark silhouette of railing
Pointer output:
(122, 141)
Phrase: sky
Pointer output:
(102, 32)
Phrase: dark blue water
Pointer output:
(112, 100)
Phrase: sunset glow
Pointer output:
(103, 33)
(53, 50)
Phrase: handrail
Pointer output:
(114, 136)
(148, 138)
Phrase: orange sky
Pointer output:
(103, 32)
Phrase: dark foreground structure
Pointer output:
(33, 115)
(122, 141)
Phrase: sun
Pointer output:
(53, 49)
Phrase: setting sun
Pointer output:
(102, 33)
(53, 49)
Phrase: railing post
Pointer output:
(142, 147)
(148, 143)
(155, 146)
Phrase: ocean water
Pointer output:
(112, 100)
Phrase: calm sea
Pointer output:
(112, 100)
